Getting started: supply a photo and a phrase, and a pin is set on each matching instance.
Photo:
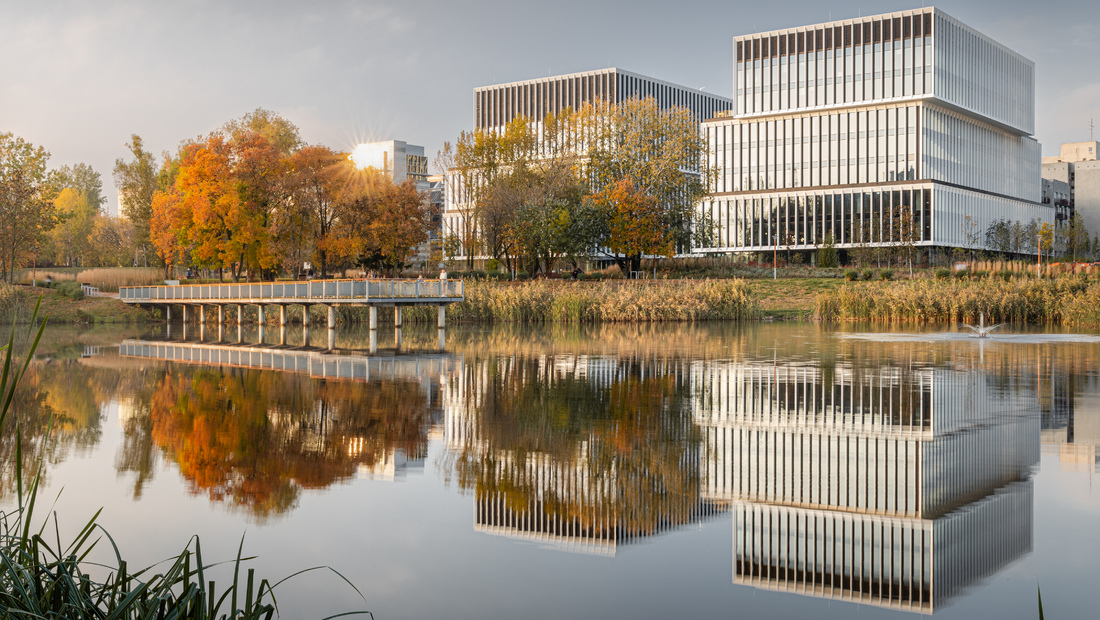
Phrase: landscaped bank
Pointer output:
(1063, 301)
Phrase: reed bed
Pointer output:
(38, 276)
(1062, 301)
(109, 280)
(564, 302)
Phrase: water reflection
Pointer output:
(578, 453)
(897, 474)
(254, 439)
(883, 484)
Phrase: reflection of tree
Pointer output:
(610, 451)
(255, 438)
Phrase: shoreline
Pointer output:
(1063, 302)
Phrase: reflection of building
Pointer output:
(873, 131)
(393, 465)
(1071, 420)
(586, 493)
(888, 486)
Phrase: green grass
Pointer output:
(42, 577)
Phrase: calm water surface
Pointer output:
(643, 472)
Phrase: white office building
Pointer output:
(873, 131)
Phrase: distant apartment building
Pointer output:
(496, 106)
(1077, 167)
(841, 130)
(398, 160)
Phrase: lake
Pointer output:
(779, 470)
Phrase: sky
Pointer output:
(79, 78)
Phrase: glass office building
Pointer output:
(873, 131)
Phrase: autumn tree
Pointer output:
(636, 225)
(70, 238)
(322, 190)
(26, 201)
(390, 220)
(661, 153)
(473, 165)
(82, 178)
(137, 182)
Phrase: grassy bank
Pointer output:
(1064, 301)
(16, 303)
(621, 301)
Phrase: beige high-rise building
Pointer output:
(1077, 166)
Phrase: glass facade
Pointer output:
(872, 131)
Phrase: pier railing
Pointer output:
(313, 291)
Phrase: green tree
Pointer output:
(26, 201)
(827, 255)
(137, 182)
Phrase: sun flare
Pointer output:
(369, 156)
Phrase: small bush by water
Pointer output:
(1063, 301)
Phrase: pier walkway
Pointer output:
(330, 293)
(312, 363)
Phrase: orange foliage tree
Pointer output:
(636, 224)
(390, 220)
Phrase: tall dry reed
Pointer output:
(556, 301)
(110, 279)
(1064, 301)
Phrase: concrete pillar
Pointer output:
(397, 337)
(373, 319)
(305, 335)
(240, 315)
(260, 314)
(331, 339)
(282, 315)
(397, 317)
(221, 315)
(442, 323)
(442, 339)
(185, 314)
(374, 341)
(221, 331)
(282, 334)
(202, 315)
(332, 317)
(305, 316)
(202, 332)
(168, 313)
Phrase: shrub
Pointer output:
(477, 274)
(979, 275)
(492, 265)
(851, 275)
(1005, 274)
(886, 274)
(868, 274)
(70, 289)
(962, 274)
(943, 273)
